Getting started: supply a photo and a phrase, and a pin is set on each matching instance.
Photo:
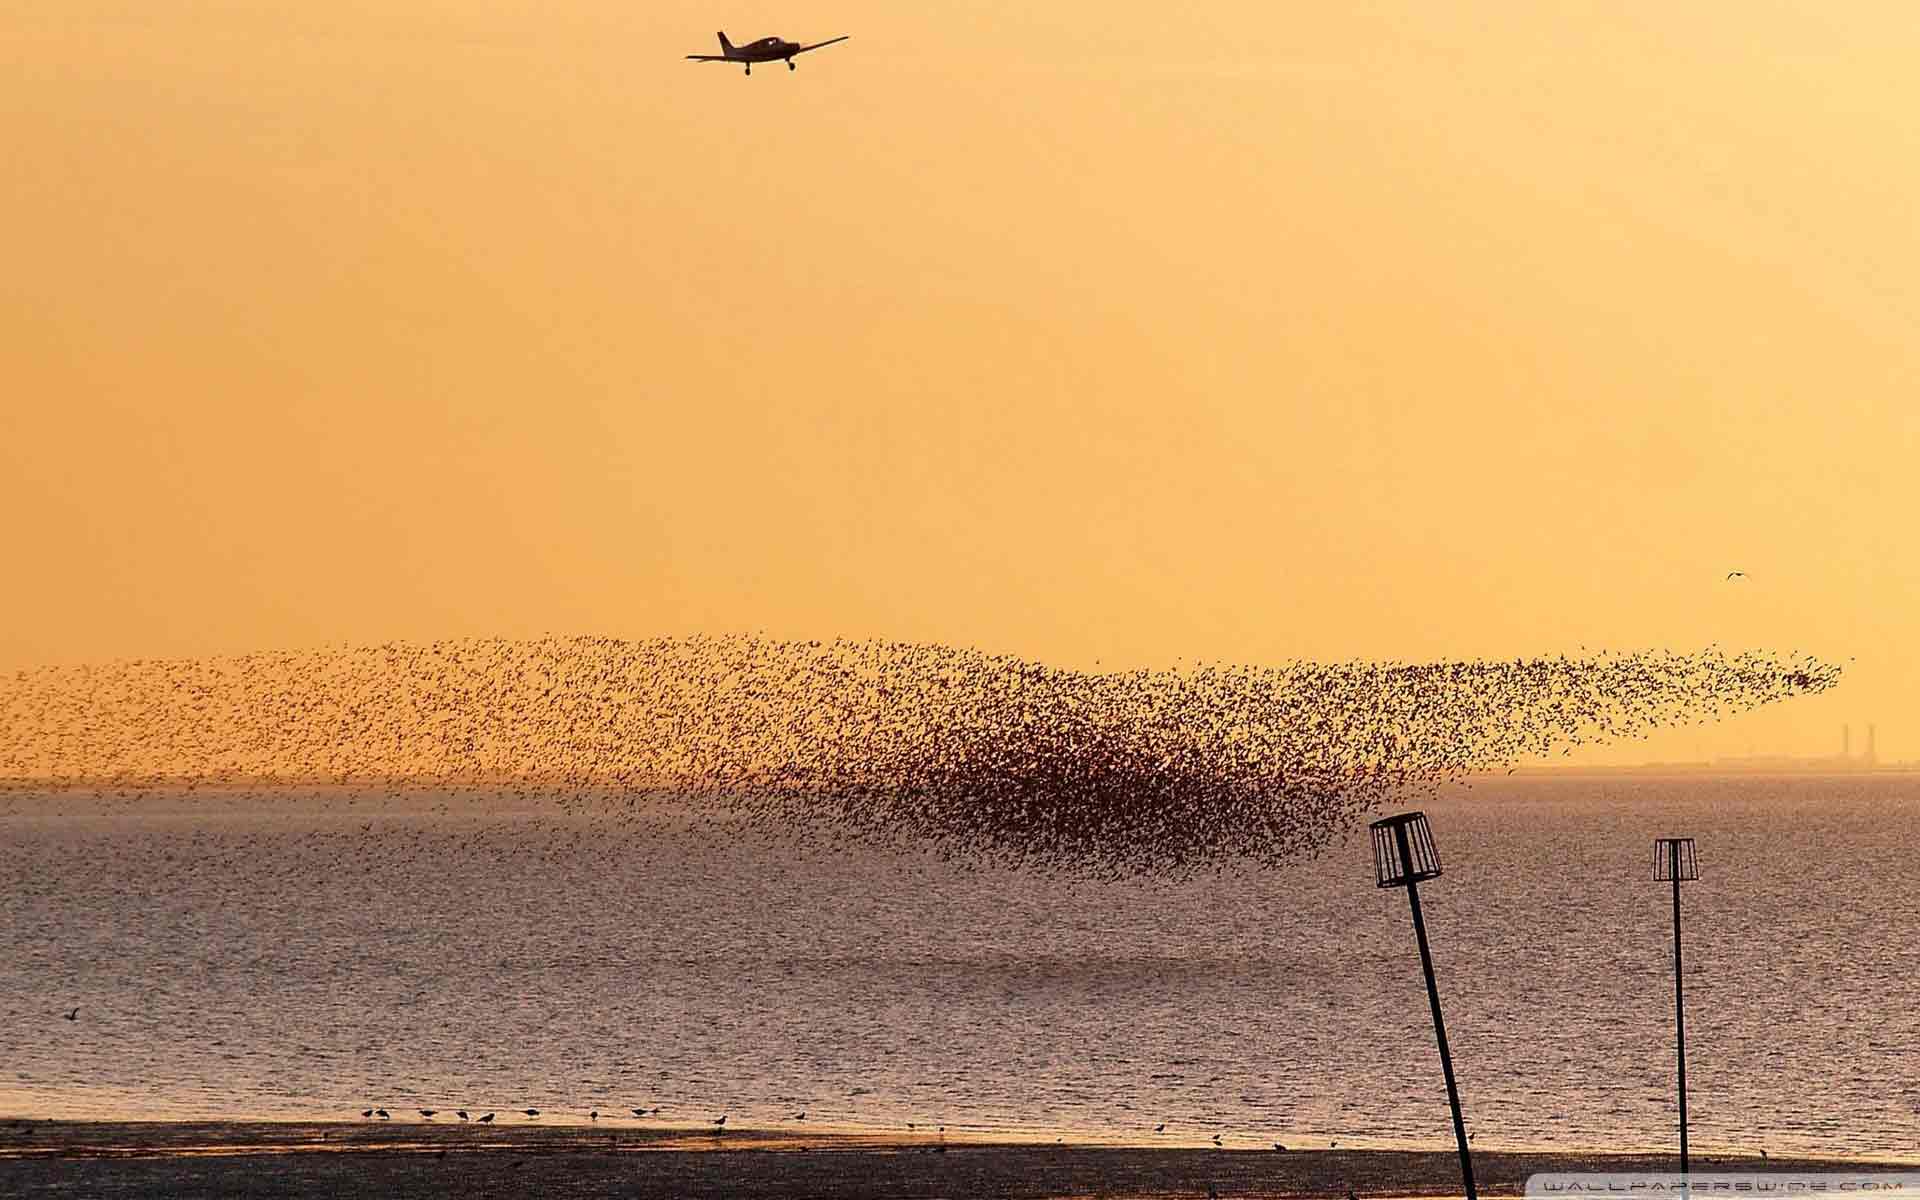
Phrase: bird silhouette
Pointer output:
(73, 1014)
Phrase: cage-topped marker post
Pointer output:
(1673, 860)
(1403, 855)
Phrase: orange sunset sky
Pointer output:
(1120, 333)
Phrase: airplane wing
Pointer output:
(828, 42)
(708, 58)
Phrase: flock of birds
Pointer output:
(428, 1114)
(719, 1123)
(983, 757)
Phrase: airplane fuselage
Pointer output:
(771, 49)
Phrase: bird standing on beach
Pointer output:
(487, 1120)
(427, 1112)
(722, 1121)
(462, 1114)
(531, 1112)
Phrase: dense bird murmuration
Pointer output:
(983, 757)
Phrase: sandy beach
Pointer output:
(237, 1159)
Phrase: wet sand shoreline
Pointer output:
(253, 1159)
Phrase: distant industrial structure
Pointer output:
(1846, 760)
(1756, 764)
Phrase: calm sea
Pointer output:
(307, 957)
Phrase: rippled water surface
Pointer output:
(309, 956)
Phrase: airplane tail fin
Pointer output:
(726, 47)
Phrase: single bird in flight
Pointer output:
(1736, 574)
(766, 50)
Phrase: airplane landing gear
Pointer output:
(789, 64)
(749, 68)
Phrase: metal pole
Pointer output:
(1439, 1026)
(1679, 1009)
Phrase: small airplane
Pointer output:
(766, 50)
